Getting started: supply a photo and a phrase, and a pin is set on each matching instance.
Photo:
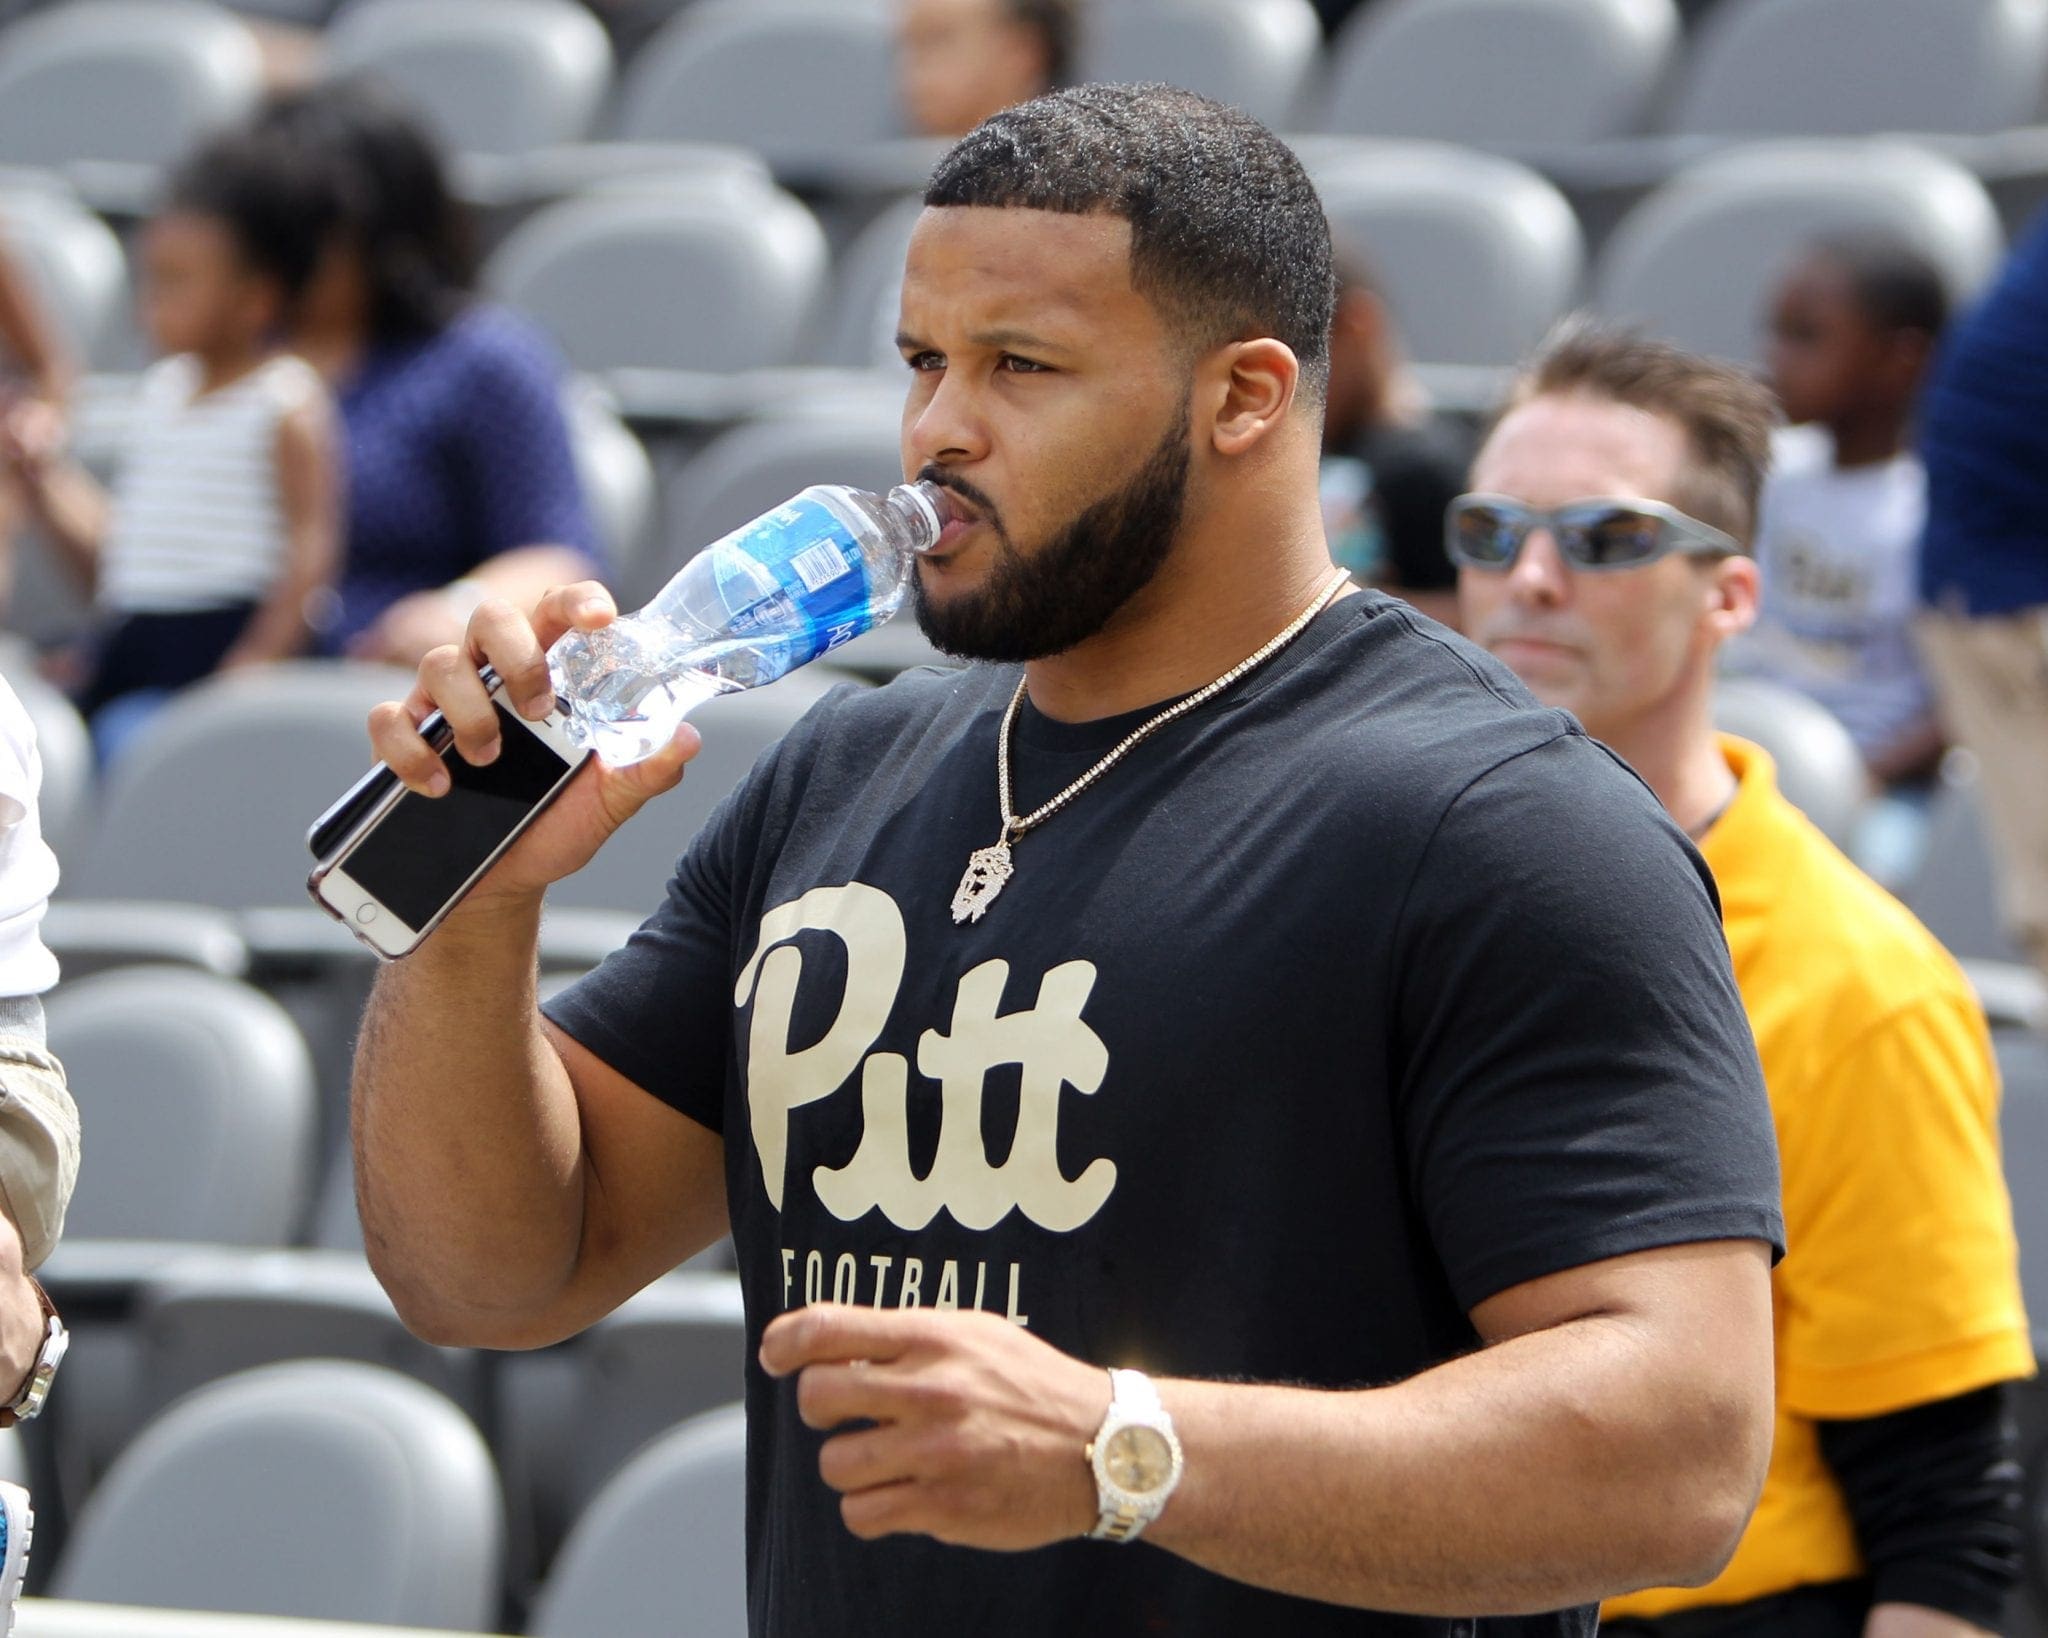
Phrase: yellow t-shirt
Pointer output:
(1900, 1282)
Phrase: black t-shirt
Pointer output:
(1364, 991)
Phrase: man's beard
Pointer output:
(1066, 591)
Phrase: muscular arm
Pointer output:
(506, 1200)
(1613, 1434)
(512, 1187)
(70, 508)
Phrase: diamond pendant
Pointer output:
(987, 869)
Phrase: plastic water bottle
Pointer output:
(797, 582)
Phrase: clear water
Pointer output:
(626, 696)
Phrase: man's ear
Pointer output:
(1259, 379)
(1735, 593)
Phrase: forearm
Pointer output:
(525, 574)
(1935, 1493)
(1553, 1469)
(468, 1154)
(278, 628)
(71, 510)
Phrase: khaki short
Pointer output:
(38, 1145)
(1991, 673)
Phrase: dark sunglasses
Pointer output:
(1487, 532)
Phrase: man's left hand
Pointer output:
(978, 1432)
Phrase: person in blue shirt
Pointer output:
(461, 484)
(1984, 565)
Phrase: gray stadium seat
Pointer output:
(72, 262)
(214, 1313)
(323, 1489)
(802, 81)
(859, 329)
(198, 1099)
(292, 13)
(108, 91)
(683, 280)
(1695, 261)
(673, 1350)
(755, 467)
(1507, 74)
(661, 1551)
(502, 79)
(209, 810)
(618, 478)
(1819, 768)
(1254, 54)
(198, 1095)
(211, 806)
(69, 1618)
(1477, 255)
(1858, 67)
(578, 167)
(631, 871)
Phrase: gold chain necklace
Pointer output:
(989, 868)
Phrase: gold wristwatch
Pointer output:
(1135, 1456)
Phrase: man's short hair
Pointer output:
(1228, 237)
(1896, 286)
(1726, 412)
(1056, 23)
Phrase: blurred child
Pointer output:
(221, 533)
(1853, 324)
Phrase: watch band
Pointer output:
(1132, 1392)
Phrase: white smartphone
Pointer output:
(403, 861)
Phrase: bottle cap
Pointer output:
(925, 496)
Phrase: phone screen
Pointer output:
(419, 855)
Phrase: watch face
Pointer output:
(1138, 1460)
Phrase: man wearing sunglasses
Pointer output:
(1603, 556)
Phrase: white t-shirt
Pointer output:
(28, 869)
(1837, 548)
(198, 522)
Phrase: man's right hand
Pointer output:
(596, 802)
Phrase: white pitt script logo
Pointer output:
(1050, 1043)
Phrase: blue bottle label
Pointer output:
(821, 596)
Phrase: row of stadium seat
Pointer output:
(704, 294)
(106, 89)
(337, 1489)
